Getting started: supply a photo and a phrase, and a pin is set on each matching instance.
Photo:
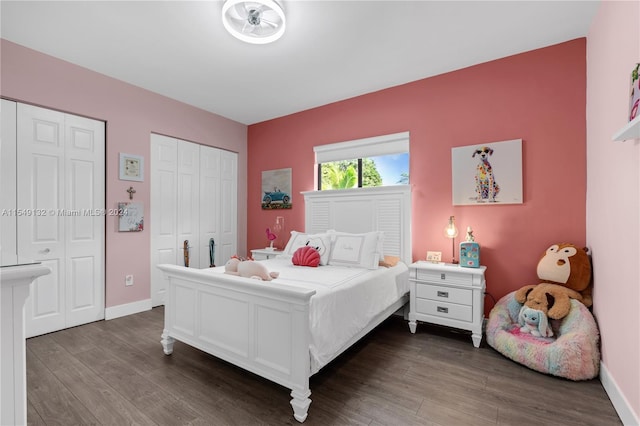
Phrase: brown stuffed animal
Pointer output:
(568, 266)
(552, 299)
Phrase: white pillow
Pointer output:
(361, 250)
(322, 242)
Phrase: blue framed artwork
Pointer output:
(276, 189)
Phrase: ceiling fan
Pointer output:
(257, 21)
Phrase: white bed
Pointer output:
(285, 330)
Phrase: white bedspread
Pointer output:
(346, 300)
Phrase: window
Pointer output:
(377, 161)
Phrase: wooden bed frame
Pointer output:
(263, 327)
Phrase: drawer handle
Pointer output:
(443, 294)
(443, 310)
(443, 276)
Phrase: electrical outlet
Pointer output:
(128, 280)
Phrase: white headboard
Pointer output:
(357, 210)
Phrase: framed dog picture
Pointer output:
(487, 174)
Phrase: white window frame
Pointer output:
(395, 143)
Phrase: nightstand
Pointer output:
(265, 253)
(449, 295)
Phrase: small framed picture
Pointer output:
(131, 167)
(131, 217)
(434, 256)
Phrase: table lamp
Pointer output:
(452, 232)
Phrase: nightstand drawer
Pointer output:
(445, 277)
(444, 309)
(445, 294)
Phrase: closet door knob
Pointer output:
(45, 251)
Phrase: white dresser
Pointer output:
(449, 295)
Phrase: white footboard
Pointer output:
(259, 326)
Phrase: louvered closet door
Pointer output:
(60, 180)
(163, 211)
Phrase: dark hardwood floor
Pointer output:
(115, 373)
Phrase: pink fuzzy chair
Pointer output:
(574, 353)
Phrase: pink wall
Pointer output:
(538, 96)
(131, 114)
(613, 200)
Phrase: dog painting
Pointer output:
(486, 187)
(487, 174)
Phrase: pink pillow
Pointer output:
(306, 256)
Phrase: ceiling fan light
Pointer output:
(254, 21)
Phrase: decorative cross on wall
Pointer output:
(131, 191)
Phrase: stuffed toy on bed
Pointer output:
(306, 256)
(249, 269)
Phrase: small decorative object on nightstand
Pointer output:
(265, 253)
(469, 251)
(447, 295)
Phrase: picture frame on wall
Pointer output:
(487, 174)
(131, 216)
(276, 189)
(131, 167)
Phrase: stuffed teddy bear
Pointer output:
(551, 299)
(568, 266)
(535, 322)
(249, 269)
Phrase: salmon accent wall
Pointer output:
(538, 96)
(131, 114)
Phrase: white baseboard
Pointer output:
(127, 309)
(620, 403)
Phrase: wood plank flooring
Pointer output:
(115, 373)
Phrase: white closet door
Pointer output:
(41, 236)
(210, 198)
(193, 197)
(228, 204)
(60, 183)
(163, 211)
(189, 201)
(8, 235)
(85, 192)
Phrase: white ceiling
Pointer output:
(332, 50)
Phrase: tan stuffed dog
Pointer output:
(551, 299)
(568, 266)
